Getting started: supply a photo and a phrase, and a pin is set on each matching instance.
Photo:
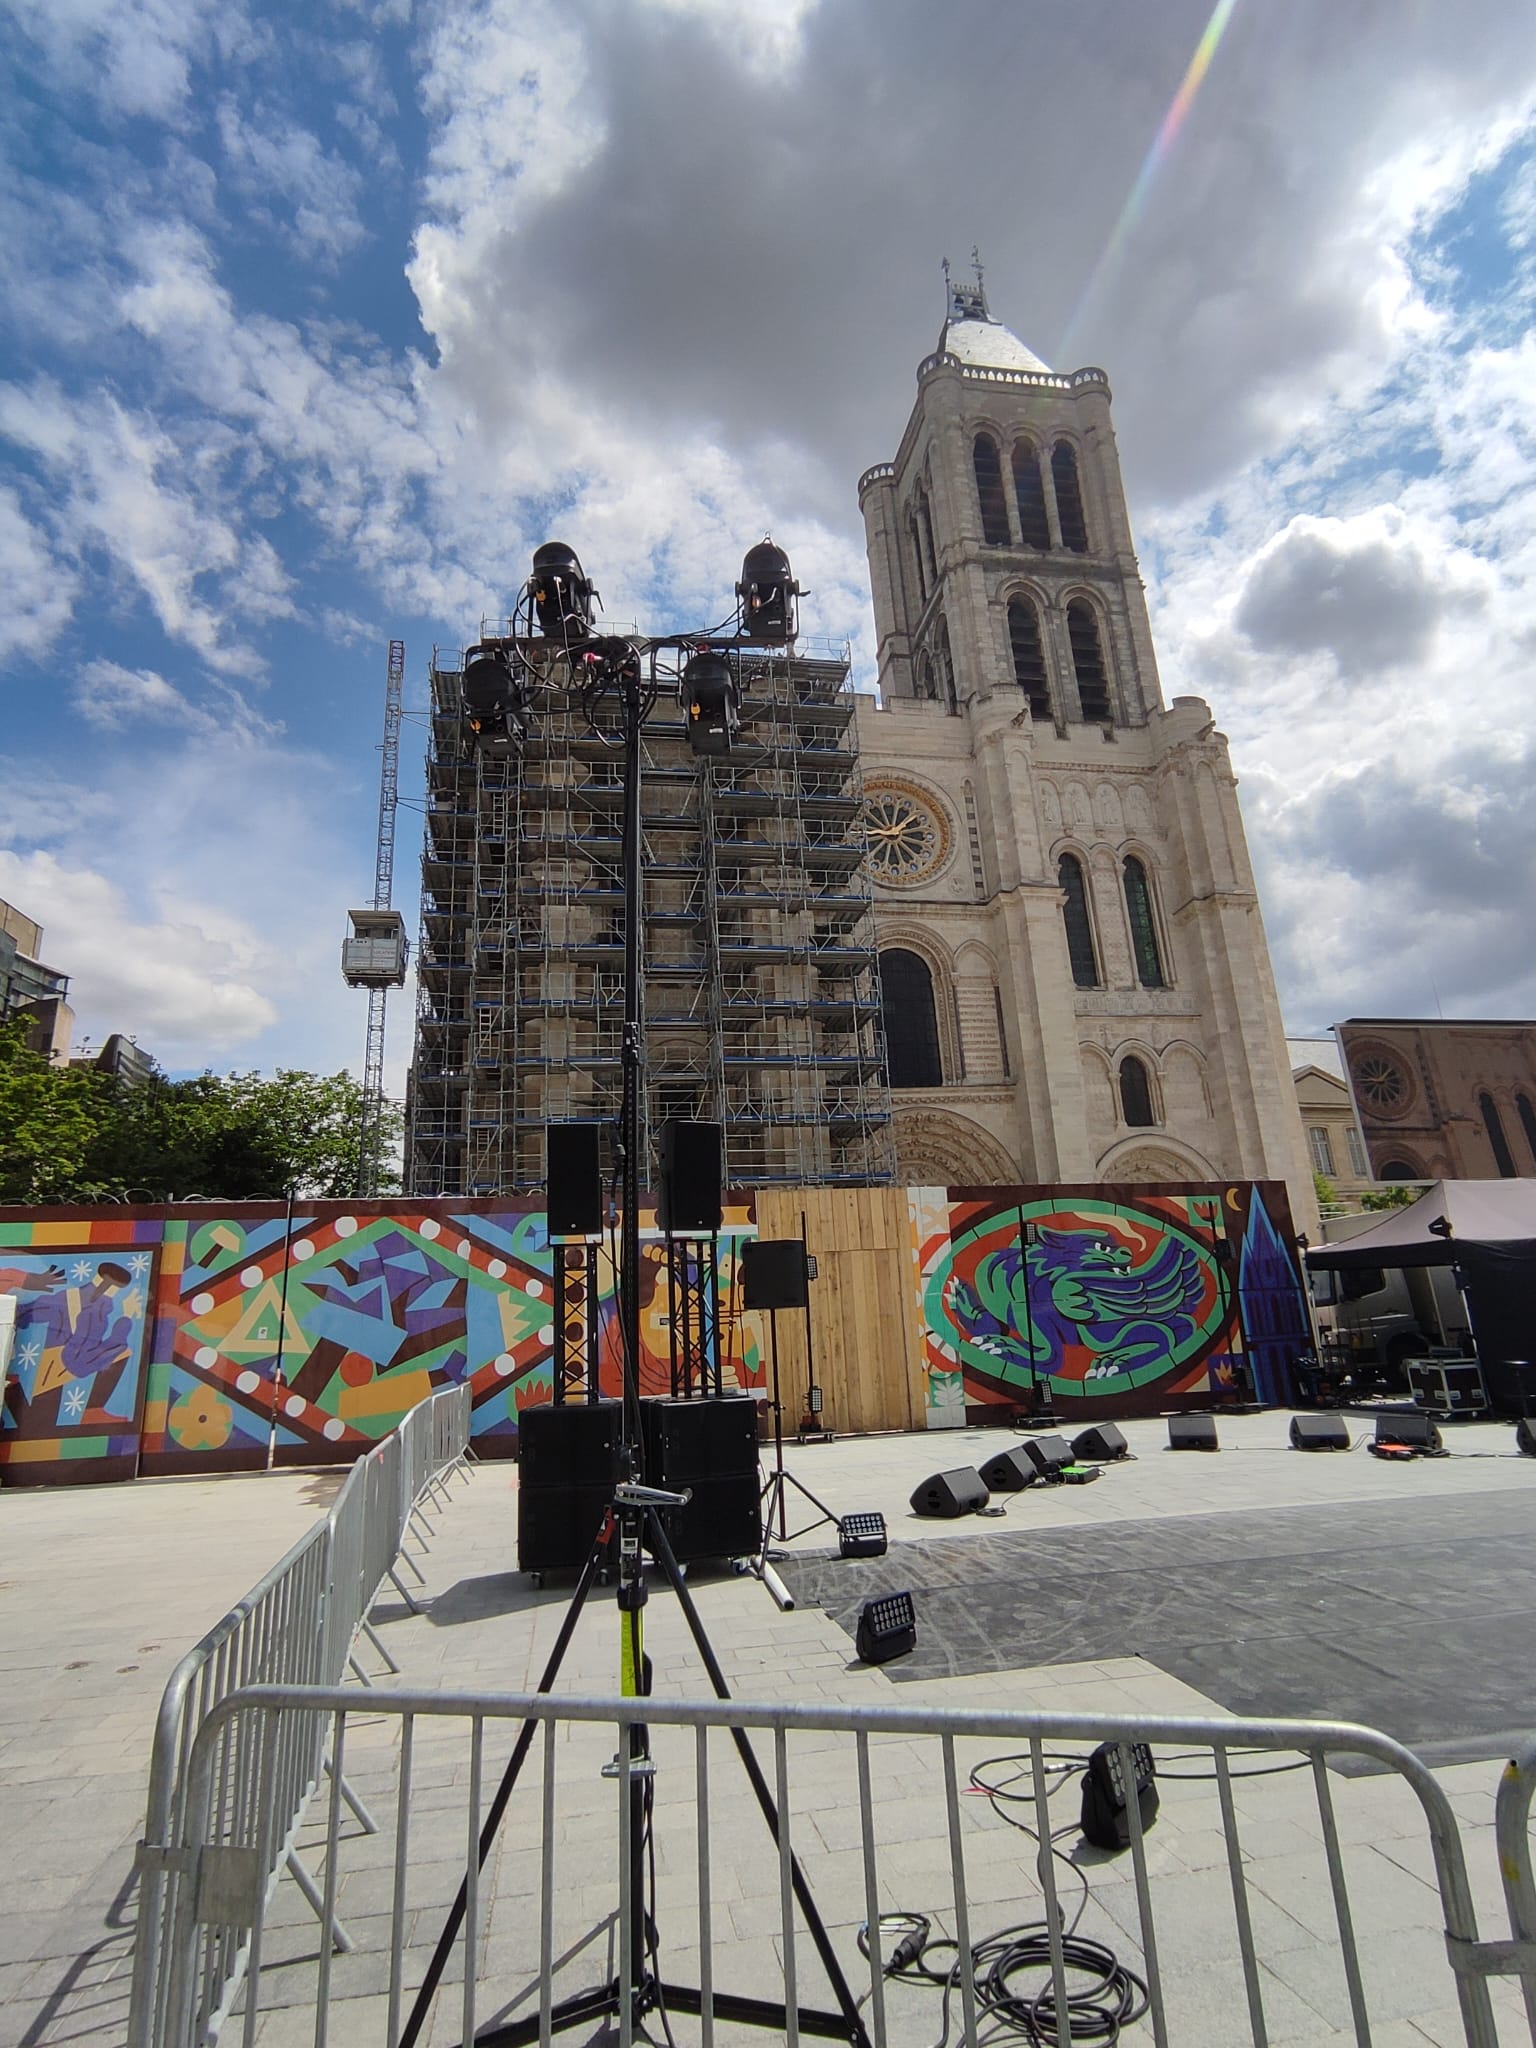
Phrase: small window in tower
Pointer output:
(1029, 495)
(1138, 904)
(917, 556)
(925, 531)
(1028, 655)
(989, 489)
(1069, 498)
(1080, 947)
(1503, 1158)
(1088, 663)
(911, 1022)
(927, 682)
(1135, 1094)
(1002, 1031)
(944, 666)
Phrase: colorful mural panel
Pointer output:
(76, 1383)
(1124, 1298)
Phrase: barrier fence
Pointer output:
(930, 1895)
(298, 1627)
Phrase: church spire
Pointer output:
(971, 333)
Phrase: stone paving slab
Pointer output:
(75, 1749)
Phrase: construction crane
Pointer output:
(374, 953)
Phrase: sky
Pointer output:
(317, 319)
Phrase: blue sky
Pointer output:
(316, 320)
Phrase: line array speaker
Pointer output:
(1192, 1433)
(947, 1494)
(1318, 1433)
(773, 1273)
(573, 1180)
(1010, 1471)
(568, 1467)
(689, 1197)
(1102, 1443)
(707, 1447)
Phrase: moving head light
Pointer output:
(767, 591)
(562, 593)
(711, 702)
(493, 695)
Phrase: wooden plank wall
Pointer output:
(864, 1325)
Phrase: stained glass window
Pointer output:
(989, 489)
(911, 1022)
(1080, 946)
(1138, 904)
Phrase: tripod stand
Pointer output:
(634, 1519)
(779, 1480)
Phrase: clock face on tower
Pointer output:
(908, 833)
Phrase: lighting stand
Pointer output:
(606, 668)
(779, 1480)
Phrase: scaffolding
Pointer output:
(761, 985)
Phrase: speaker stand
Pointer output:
(638, 1988)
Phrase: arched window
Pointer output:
(1503, 1158)
(911, 1022)
(1138, 906)
(1088, 663)
(1399, 1169)
(1080, 947)
(927, 680)
(917, 556)
(1135, 1093)
(1028, 655)
(925, 534)
(988, 465)
(1069, 498)
(1527, 1121)
(1029, 496)
(943, 665)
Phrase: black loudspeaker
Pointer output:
(947, 1494)
(1101, 1444)
(773, 1273)
(887, 1628)
(1010, 1471)
(1416, 1432)
(1192, 1433)
(573, 1180)
(1318, 1433)
(706, 1447)
(1106, 1820)
(688, 1200)
(568, 1467)
(1048, 1454)
(1525, 1437)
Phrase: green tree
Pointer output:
(72, 1135)
(1400, 1195)
(1323, 1188)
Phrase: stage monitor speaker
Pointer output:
(947, 1494)
(1192, 1433)
(1106, 1819)
(1525, 1437)
(1101, 1444)
(1010, 1471)
(689, 1198)
(1416, 1432)
(862, 1535)
(1048, 1454)
(887, 1628)
(773, 1273)
(573, 1180)
(1318, 1433)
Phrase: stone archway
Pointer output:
(1153, 1163)
(938, 1150)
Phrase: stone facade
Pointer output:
(1024, 774)
(1442, 1101)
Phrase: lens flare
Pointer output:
(1157, 155)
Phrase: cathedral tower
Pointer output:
(1076, 980)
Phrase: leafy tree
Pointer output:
(1323, 1188)
(1400, 1195)
(69, 1134)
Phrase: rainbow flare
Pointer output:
(1162, 144)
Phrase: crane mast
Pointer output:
(374, 954)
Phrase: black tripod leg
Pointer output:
(422, 2005)
(847, 2005)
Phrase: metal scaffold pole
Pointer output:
(374, 956)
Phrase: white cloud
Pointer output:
(130, 56)
(279, 167)
(39, 589)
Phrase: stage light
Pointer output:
(767, 591)
(493, 695)
(562, 593)
(711, 704)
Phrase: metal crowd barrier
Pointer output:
(872, 1803)
(297, 1627)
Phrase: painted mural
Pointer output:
(1128, 1298)
(180, 1340)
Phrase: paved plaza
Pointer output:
(105, 1588)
